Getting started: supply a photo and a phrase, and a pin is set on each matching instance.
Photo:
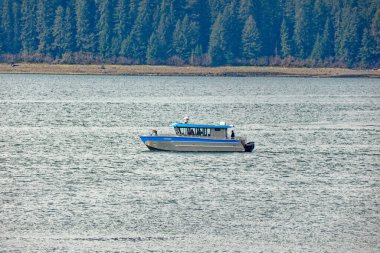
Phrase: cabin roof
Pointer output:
(200, 126)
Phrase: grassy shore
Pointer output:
(29, 68)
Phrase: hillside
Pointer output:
(312, 33)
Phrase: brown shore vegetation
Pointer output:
(67, 69)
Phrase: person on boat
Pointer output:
(191, 131)
(233, 134)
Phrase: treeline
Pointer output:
(342, 33)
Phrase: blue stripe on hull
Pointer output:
(183, 139)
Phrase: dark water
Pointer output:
(75, 177)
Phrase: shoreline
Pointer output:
(157, 70)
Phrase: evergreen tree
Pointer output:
(286, 49)
(196, 55)
(135, 45)
(245, 10)
(69, 30)
(45, 19)
(152, 53)
(268, 20)
(233, 32)
(303, 29)
(29, 29)
(85, 36)
(59, 35)
(7, 26)
(185, 37)
(251, 40)
(317, 53)
(327, 42)
(375, 33)
(366, 50)
(223, 45)
(217, 44)
(16, 40)
(319, 16)
(165, 30)
(348, 43)
(105, 28)
(121, 27)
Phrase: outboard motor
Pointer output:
(248, 147)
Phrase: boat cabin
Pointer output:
(210, 131)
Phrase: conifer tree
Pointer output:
(7, 26)
(251, 40)
(85, 36)
(366, 50)
(69, 30)
(152, 53)
(286, 49)
(16, 40)
(135, 45)
(318, 16)
(198, 12)
(105, 28)
(217, 44)
(122, 25)
(317, 53)
(165, 30)
(185, 37)
(29, 29)
(327, 40)
(196, 55)
(233, 33)
(245, 10)
(375, 33)
(45, 19)
(348, 43)
(59, 32)
(303, 29)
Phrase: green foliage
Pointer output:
(59, 44)
(45, 19)
(122, 26)
(303, 29)
(135, 45)
(69, 30)
(286, 48)
(85, 28)
(105, 28)
(214, 32)
(7, 26)
(185, 37)
(29, 32)
(366, 50)
(375, 32)
(152, 53)
(16, 40)
(348, 40)
(217, 45)
(251, 40)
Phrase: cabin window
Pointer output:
(217, 129)
(194, 131)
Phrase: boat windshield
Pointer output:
(192, 131)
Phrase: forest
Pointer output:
(301, 33)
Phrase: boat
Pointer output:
(198, 138)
